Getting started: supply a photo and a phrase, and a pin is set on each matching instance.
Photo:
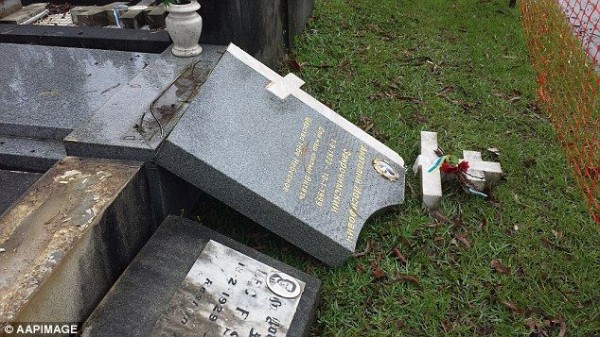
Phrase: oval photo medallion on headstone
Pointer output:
(385, 170)
(283, 285)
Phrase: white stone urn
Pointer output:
(184, 25)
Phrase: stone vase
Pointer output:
(184, 25)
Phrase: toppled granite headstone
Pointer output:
(257, 142)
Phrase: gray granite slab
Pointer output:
(191, 281)
(257, 142)
(47, 91)
(14, 183)
(160, 94)
(69, 237)
(29, 154)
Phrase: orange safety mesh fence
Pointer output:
(563, 39)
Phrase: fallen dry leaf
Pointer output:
(377, 272)
(410, 278)
(294, 65)
(512, 306)
(367, 249)
(463, 239)
(563, 327)
(499, 267)
(437, 215)
(494, 150)
(446, 90)
(399, 256)
(483, 225)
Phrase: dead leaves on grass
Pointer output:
(367, 124)
(544, 328)
(399, 256)
(367, 249)
(499, 267)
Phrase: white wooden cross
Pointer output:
(430, 181)
(284, 86)
(479, 174)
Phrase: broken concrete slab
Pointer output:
(47, 91)
(162, 92)
(134, 18)
(257, 142)
(156, 17)
(69, 238)
(191, 281)
(90, 16)
(26, 14)
(9, 6)
(14, 183)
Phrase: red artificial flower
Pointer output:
(447, 168)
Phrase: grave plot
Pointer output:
(161, 92)
(51, 92)
(189, 280)
(263, 28)
(69, 237)
(257, 142)
(48, 91)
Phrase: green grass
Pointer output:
(459, 68)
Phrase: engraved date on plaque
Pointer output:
(227, 293)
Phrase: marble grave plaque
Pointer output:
(191, 281)
(227, 293)
(260, 144)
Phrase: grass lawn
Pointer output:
(526, 262)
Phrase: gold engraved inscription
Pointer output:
(332, 181)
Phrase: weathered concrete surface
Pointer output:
(26, 14)
(69, 238)
(298, 13)
(9, 6)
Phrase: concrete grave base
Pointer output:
(69, 238)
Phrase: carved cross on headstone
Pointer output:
(284, 87)
(480, 173)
